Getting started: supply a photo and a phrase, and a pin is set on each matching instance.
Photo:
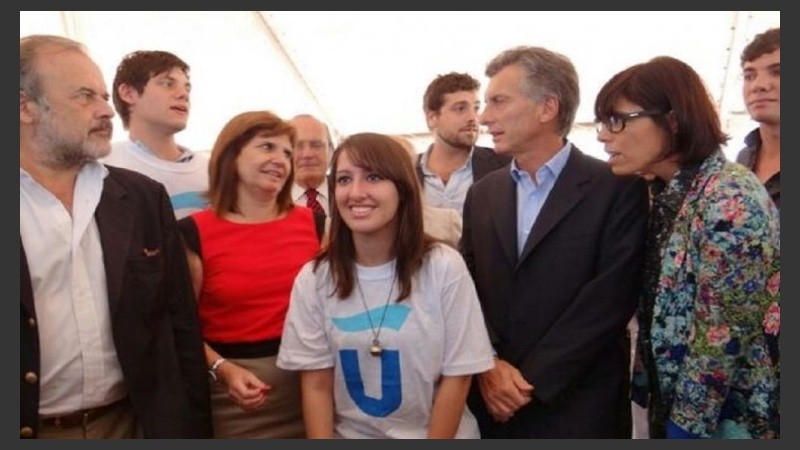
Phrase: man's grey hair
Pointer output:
(30, 47)
(547, 74)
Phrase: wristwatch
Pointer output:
(212, 371)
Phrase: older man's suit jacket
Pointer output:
(558, 312)
(154, 318)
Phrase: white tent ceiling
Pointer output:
(367, 71)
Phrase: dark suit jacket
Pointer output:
(559, 311)
(154, 317)
(484, 160)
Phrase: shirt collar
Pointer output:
(186, 154)
(93, 168)
(426, 155)
(554, 165)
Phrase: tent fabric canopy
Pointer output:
(367, 71)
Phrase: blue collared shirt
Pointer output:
(532, 192)
(452, 194)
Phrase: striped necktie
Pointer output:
(311, 201)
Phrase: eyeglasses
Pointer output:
(615, 123)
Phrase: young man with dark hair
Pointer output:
(761, 66)
(151, 94)
(453, 161)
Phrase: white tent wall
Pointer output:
(367, 71)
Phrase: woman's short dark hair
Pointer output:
(670, 85)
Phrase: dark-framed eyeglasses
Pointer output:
(615, 123)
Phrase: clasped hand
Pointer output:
(504, 390)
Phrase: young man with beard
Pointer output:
(453, 162)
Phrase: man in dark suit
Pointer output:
(554, 244)
(110, 343)
(453, 161)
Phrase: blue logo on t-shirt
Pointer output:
(395, 316)
(391, 384)
(194, 200)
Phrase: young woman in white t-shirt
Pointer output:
(385, 324)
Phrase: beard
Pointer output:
(66, 147)
(457, 140)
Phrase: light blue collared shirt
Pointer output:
(452, 194)
(531, 194)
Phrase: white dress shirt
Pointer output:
(79, 366)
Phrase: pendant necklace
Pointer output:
(375, 349)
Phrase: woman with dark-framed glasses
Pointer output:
(711, 291)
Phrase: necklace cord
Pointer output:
(376, 334)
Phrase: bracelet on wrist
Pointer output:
(212, 371)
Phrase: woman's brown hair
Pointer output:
(385, 156)
(223, 177)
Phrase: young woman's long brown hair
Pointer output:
(383, 155)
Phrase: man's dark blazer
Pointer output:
(484, 160)
(558, 312)
(154, 318)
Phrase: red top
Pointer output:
(248, 272)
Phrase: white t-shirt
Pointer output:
(438, 330)
(186, 181)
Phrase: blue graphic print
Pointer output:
(395, 317)
(391, 384)
(195, 200)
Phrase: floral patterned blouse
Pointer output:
(714, 299)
